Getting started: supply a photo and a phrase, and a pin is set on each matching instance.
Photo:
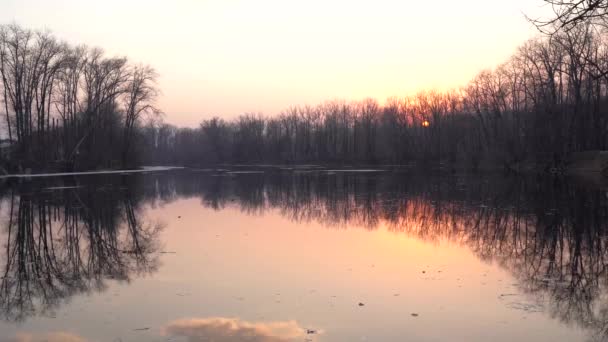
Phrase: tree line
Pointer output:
(545, 102)
(69, 107)
(72, 107)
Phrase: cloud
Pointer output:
(220, 329)
(47, 337)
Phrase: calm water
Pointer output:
(302, 256)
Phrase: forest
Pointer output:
(545, 102)
(69, 107)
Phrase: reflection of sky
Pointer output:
(270, 269)
(234, 330)
(216, 329)
(45, 337)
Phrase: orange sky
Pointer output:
(227, 57)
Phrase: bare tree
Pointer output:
(69, 107)
(570, 13)
(140, 95)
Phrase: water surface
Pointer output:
(302, 255)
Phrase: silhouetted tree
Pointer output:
(569, 13)
(63, 104)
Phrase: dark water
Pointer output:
(303, 256)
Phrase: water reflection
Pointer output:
(551, 235)
(217, 329)
(221, 329)
(48, 337)
(60, 241)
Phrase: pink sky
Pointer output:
(226, 57)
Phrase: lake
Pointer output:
(303, 254)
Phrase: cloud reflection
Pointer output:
(219, 329)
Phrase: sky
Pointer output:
(228, 57)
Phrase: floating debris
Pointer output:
(527, 307)
(508, 294)
(361, 304)
(414, 314)
(243, 172)
(62, 187)
(353, 170)
(141, 329)
(310, 331)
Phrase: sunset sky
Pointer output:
(227, 57)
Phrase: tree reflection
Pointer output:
(69, 240)
(552, 235)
